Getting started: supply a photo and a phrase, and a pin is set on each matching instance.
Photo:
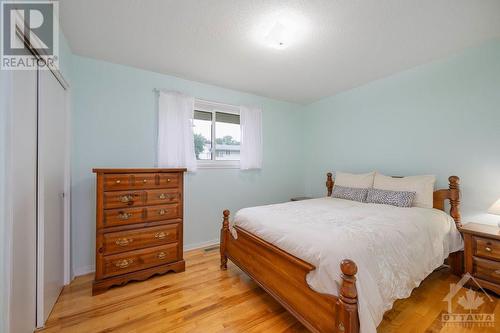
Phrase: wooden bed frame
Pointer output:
(283, 275)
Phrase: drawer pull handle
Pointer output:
(488, 249)
(162, 196)
(123, 241)
(124, 263)
(126, 198)
(144, 181)
(169, 180)
(162, 211)
(124, 216)
(161, 235)
(118, 181)
(162, 255)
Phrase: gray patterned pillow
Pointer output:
(349, 193)
(393, 198)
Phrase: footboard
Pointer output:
(283, 276)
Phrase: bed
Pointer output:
(305, 254)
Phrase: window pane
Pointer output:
(227, 140)
(202, 130)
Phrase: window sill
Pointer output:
(218, 164)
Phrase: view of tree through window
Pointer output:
(202, 130)
(216, 136)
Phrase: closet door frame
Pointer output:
(68, 274)
(40, 316)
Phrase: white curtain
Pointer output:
(251, 138)
(175, 131)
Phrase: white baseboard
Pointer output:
(91, 268)
(201, 245)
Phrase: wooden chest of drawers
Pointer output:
(139, 219)
(482, 254)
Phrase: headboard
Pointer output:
(452, 193)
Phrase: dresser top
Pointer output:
(137, 170)
(486, 230)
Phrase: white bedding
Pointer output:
(394, 248)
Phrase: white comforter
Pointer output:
(394, 248)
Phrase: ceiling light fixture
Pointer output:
(281, 30)
(279, 36)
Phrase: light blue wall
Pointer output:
(442, 118)
(114, 125)
(65, 57)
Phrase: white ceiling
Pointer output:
(341, 44)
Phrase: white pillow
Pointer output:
(364, 180)
(423, 186)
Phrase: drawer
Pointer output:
(140, 259)
(163, 212)
(117, 181)
(486, 248)
(124, 216)
(162, 196)
(487, 269)
(135, 181)
(145, 180)
(116, 242)
(169, 179)
(119, 199)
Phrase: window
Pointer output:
(202, 130)
(217, 135)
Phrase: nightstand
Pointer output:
(482, 254)
(300, 198)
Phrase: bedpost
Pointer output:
(455, 199)
(347, 320)
(224, 233)
(329, 183)
(455, 259)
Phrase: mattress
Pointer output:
(395, 248)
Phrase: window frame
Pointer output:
(213, 107)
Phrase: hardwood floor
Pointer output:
(192, 302)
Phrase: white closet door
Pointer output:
(22, 178)
(51, 176)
